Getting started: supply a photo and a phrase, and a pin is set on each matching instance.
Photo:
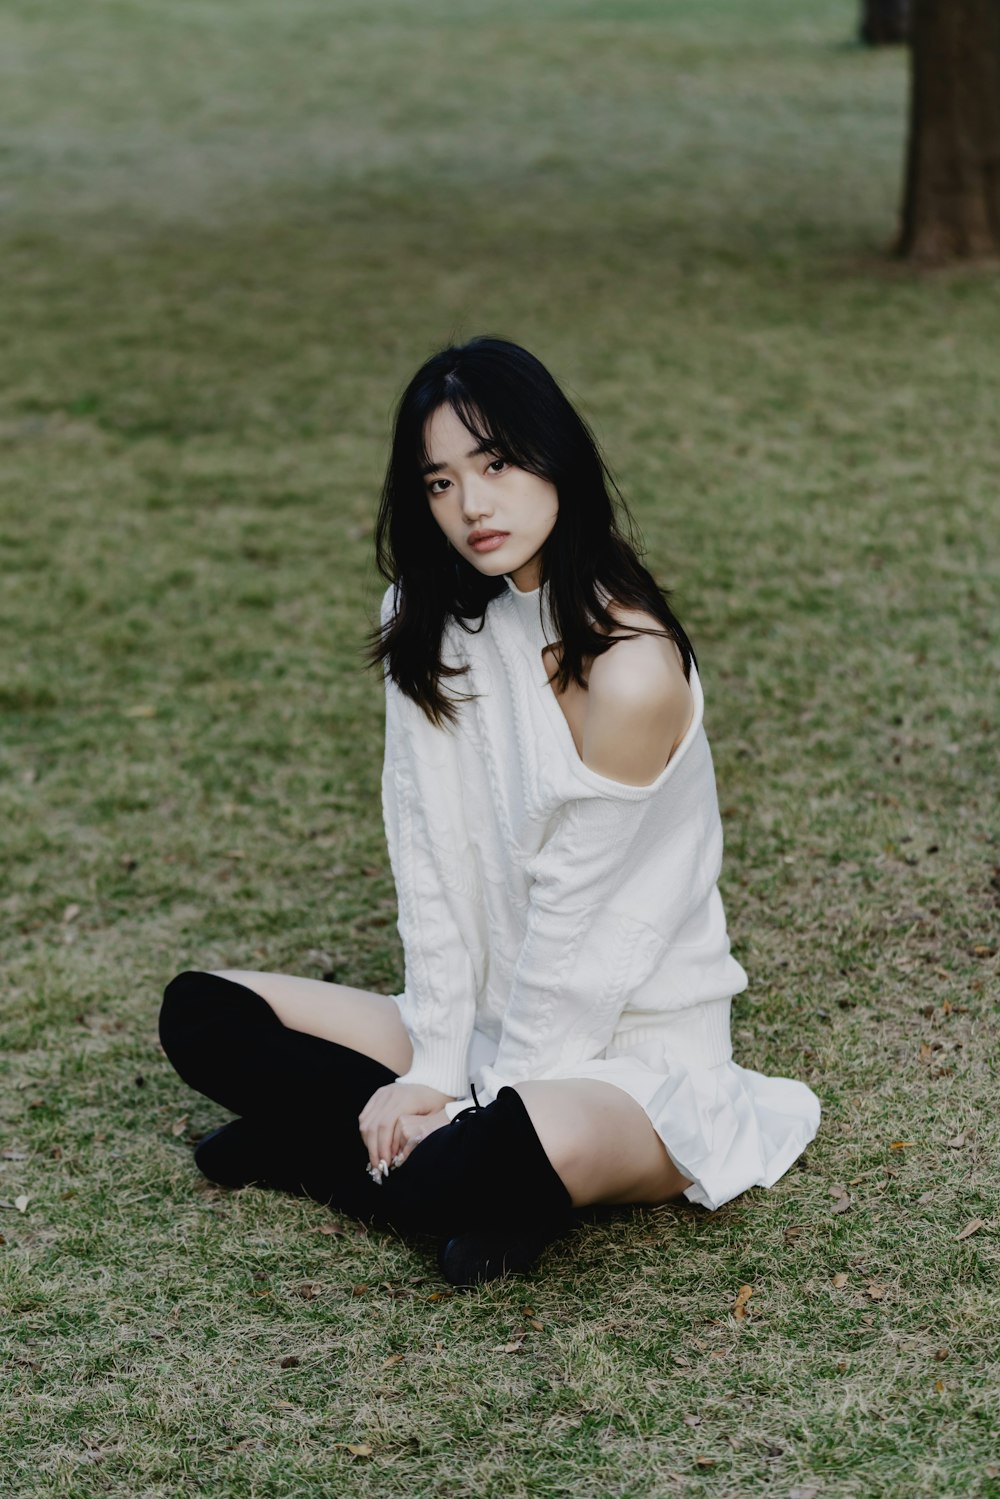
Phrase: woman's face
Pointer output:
(474, 493)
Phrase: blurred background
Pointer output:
(231, 231)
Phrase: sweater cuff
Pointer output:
(441, 1063)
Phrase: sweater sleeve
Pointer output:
(584, 949)
(440, 905)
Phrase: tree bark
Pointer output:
(884, 22)
(951, 202)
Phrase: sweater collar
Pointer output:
(533, 610)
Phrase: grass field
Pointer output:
(231, 231)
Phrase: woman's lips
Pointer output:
(491, 542)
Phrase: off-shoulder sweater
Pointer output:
(566, 915)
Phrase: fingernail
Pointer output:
(397, 1159)
(383, 1167)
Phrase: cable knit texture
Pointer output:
(558, 922)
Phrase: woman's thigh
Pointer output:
(366, 1022)
(601, 1142)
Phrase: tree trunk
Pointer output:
(951, 206)
(884, 22)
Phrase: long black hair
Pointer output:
(508, 399)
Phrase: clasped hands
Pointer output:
(394, 1121)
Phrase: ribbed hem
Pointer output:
(699, 1036)
(441, 1063)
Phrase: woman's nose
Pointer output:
(476, 501)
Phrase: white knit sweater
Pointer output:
(568, 916)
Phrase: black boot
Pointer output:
(484, 1185)
(227, 1042)
(235, 1155)
(301, 1095)
(479, 1255)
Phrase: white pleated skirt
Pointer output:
(725, 1127)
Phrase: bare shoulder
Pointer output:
(639, 703)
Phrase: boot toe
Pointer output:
(224, 1157)
(480, 1255)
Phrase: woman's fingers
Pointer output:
(370, 1135)
(412, 1139)
(390, 1138)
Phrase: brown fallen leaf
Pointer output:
(308, 1290)
(839, 1281)
(740, 1306)
(71, 913)
(290, 1361)
(512, 1347)
(141, 710)
(331, 1230)
(705, 1462)
(394, 1358)
(357, 1449)
(941, 1355)
(533, 1322)
(875, 1291)
(972, 1227)
(283, 1405)
(179, 1126)
(958, 1142)
(842, 1205)
(692, 1420)
(360, 1290)
(939, 1386)
(902, 1144)
(21, 1203)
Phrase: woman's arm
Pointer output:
(639, 706)
(440, 905)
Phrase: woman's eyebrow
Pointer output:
(486, 446)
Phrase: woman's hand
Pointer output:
(396, 1118)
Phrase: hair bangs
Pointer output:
(496, 424)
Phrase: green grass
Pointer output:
(231, 231)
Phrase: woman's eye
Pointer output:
(496, 465)
(434, 486)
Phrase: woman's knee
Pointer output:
(198, 1011)
(357, 1018)
(562, 1125)
(601, 1142)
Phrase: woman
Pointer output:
(554, 834)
